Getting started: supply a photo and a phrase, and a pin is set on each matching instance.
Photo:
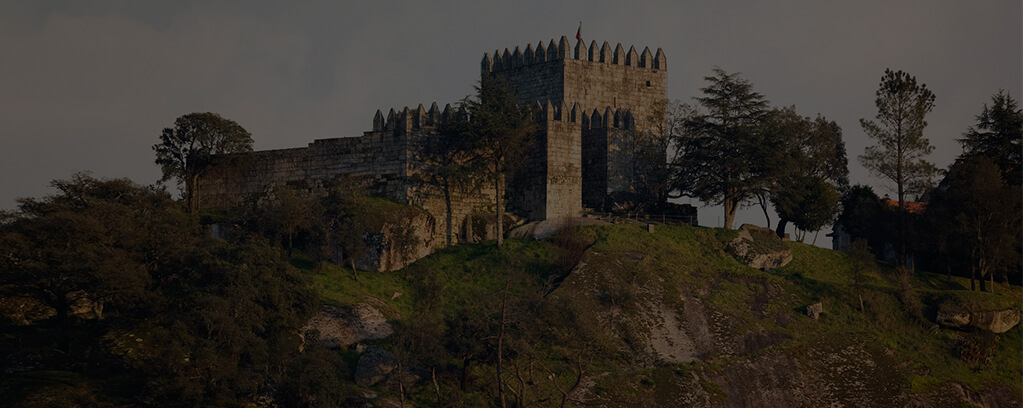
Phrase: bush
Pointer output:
(977, 347)
(907, 293)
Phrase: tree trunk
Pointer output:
(730, 206)
(948, 268)
(782, 224)
(498, 182)
(992, 273)
(63, 307)
(465, 374)
(436, 387)
(500, 345)
(401, 383)
(447, 213)
(900, 256)
(973, 276)
(355, 273)
(763, 206)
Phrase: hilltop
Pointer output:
(614, 315)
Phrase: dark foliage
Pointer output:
(719, 158)
(195, 143)
(144, 302)
(998, 135)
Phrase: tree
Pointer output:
(719, 159)
(195, 143)
(806, 169)
(901, 146)
(861, 264)
(666, 123)
(283, 214)
(445, 163)
(809, 202)
(82, 244)
(978, 216)
(196, 320)
(998, 134)
(349, 222)
(500, 131)
(861, 215)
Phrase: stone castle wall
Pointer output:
(380, 157)
(608, 88)
(590, 105)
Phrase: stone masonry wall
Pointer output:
(564, 168)
(380, 156)
(590, 103)
(590, 84)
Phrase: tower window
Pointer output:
(648, 84)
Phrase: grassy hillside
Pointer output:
(614, 315)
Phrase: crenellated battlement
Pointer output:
(414, 119)
(599, 118)
(584, 97)
(561, 50)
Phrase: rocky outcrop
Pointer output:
(482, 227)
(759, 248)
(538, 230)
(373, 367)
(815, 310)
(401, 241)
(995, 321)
(343, 326)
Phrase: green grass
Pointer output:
(694, 260)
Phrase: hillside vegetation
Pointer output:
(613, 315)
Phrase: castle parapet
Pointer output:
(600, 118)
(510, 59)
(413, 119)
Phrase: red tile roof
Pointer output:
(912, 207)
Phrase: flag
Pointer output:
(579, 32)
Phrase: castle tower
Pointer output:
(601, 99)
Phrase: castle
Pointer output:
(595, 108)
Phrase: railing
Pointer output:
(665, 219)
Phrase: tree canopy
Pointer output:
(998, 135)
(445, 164)
(807, 167)
(500, 131)
(719, 160)
(196, 142)
(976, 219)
(128, 283)
(899, 155)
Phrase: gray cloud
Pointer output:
(89, 86)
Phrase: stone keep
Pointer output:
(602, 102)
(592, 106)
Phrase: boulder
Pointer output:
(994, 321)
(998, 322)
(815, 310)
(373, 367)
(759, 248)
(343, 326)
(478, 227)
(953, 318)
(403, 239)
(538, 230)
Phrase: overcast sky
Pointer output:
(90, 85)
